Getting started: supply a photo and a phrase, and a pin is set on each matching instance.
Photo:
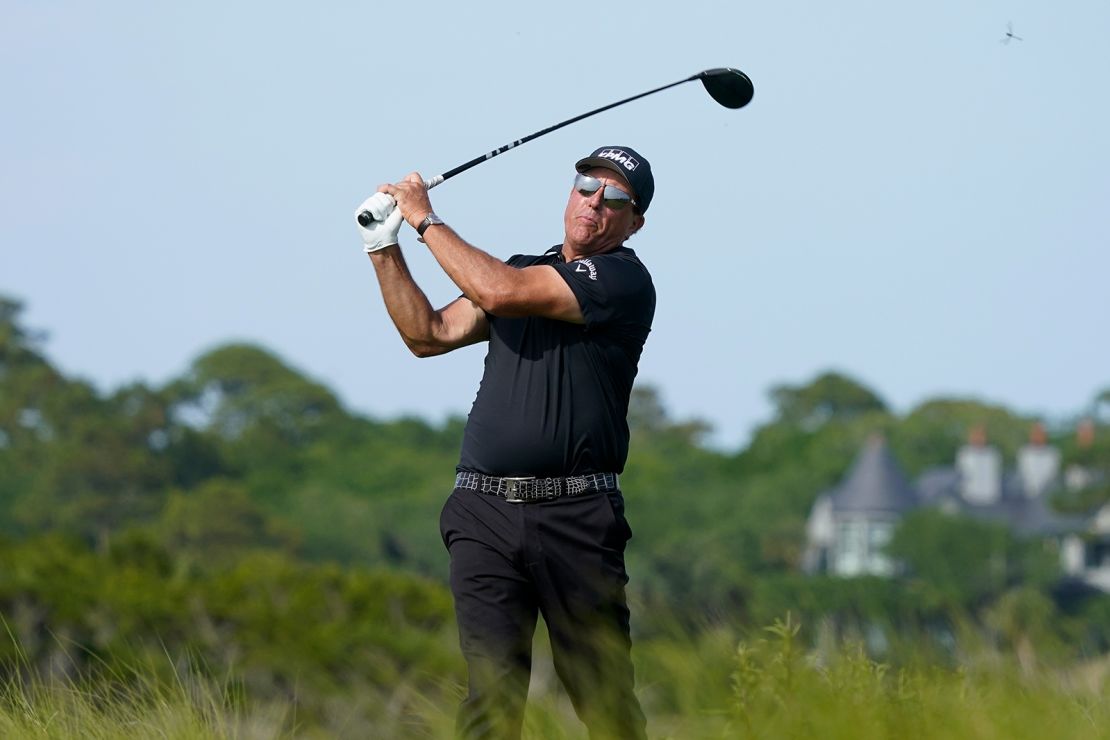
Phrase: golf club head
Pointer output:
(729, 87)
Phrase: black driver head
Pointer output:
(729, 87)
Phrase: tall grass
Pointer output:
(713, 686)
(779, 691)
(138, 701)
(60, 708)
(191, 705)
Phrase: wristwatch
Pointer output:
(430, 220)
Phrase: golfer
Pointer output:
(535, 524)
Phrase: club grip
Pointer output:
(366, 218)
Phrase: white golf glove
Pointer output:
(382, 232)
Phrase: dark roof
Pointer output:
(938, 484)
(875, 483)
(1027, 516)
(1023, 514)
(1012, 487)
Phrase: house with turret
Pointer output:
(850, 525)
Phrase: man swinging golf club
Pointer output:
(535, 523)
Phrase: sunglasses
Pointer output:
(614, 198)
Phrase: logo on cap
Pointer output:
(618, 156)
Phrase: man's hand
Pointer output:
(411, 195)
(382, 232)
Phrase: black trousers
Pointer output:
(563, 559)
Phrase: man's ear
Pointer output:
(637, 224)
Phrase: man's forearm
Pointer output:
(406, 303)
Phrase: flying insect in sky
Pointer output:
(1009, 35)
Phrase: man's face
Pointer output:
(593, 227)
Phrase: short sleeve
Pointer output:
(611, 288)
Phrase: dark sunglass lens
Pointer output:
(613, 197)
(616, 198)
(587, 185)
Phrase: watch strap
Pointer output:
(430, 220)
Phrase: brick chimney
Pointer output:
(1085, 433)
(980, 468)
(1038, 463)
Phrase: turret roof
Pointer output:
(874, 483)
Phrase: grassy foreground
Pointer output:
(768, 687)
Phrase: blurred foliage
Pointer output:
(931, 434)
(306, 633)
(963, 563)
(828, 397)
(240, 515)
(781, 690)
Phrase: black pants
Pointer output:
(563, 559)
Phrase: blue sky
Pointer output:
(906, 200)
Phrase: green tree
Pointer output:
(69, 458)
(933, 432)
(1086, 459)
(829, 396)
(19, 346)
(650, 425)
(262, 409)
(966, 563)
(105, 464)
(28, 385)
(217, 521)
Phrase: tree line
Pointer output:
(241, 513)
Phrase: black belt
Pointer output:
(518, 490)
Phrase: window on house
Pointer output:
(851, 548)
(878, 536)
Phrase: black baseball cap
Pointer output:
(630, 165)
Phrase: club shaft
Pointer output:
(502, 149)
(365, 218)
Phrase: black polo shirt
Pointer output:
(553, 400)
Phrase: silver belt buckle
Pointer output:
(512, 489)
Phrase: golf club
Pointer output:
(729, 87)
